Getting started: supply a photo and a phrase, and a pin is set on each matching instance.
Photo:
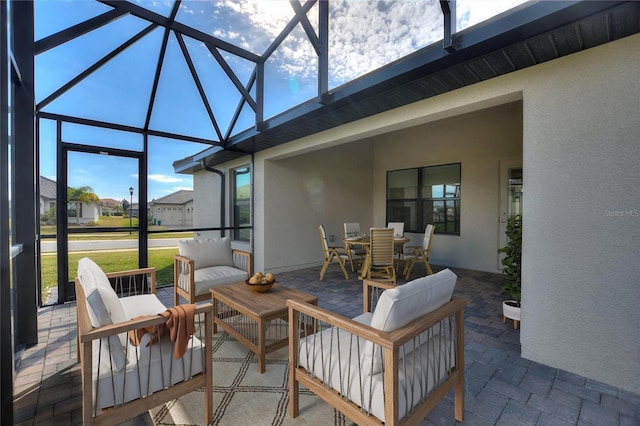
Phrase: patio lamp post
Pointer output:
(130, 207)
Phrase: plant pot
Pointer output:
(511, 310)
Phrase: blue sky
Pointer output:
(364, 35)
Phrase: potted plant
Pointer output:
(512, 267)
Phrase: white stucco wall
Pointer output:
(206, 203)
(327, 187)
(581, 254)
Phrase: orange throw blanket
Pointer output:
(180, 325)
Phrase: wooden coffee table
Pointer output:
(255, 319)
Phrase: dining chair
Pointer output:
(420, 253)
(398, 228)
(398, 232)
(336, 253)
(381, 255)
(352, 230)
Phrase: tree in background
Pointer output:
(125, 207)
(84, 194)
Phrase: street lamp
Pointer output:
(130, 207)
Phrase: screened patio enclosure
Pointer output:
(132, 97)
(125, 89)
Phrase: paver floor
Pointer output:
(502, 388)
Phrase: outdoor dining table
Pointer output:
(365, 242)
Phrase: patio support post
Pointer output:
(6, 328)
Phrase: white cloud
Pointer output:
(472, 12)
(363, 34)
(164, 178)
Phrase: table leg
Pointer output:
(215, 315)
(261, 345)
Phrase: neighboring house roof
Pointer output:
(110, 203)
(47, 188)
(179, 197)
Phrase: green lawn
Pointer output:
(114, 222)
(161, 259)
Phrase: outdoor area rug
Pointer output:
(242, 396)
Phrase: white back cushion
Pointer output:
(207, 252)
(104, 307)
(399, 306)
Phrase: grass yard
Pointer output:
(114, 222)
(161, 259)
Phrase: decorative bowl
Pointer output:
(259, 288)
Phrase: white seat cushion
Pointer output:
(333, 356)
(150, 369)
(207, 252)
(142, 304)
(207, 278)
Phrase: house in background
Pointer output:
(89, 212)
(47, 196)
(175, 209)
(111, 206)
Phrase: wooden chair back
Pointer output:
(381, 252)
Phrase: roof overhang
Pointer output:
(528, 35)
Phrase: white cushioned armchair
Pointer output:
(120, 379)
(202, 264)
(388, 366)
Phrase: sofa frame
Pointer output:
(309, 316)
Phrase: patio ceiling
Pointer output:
(526, 36)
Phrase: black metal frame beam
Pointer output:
(124, 128)
(287, 29)
(6, 321)
(449, 11)
(196, 80)
(82, 28)
(306, 25)
(241, 103)
(150, 16)
(156, 77)
(232, 76)
(323, 56)
(77, 79)
(24, 224)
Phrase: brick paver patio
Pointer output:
(501, 387)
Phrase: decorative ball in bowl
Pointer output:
(261, 283)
